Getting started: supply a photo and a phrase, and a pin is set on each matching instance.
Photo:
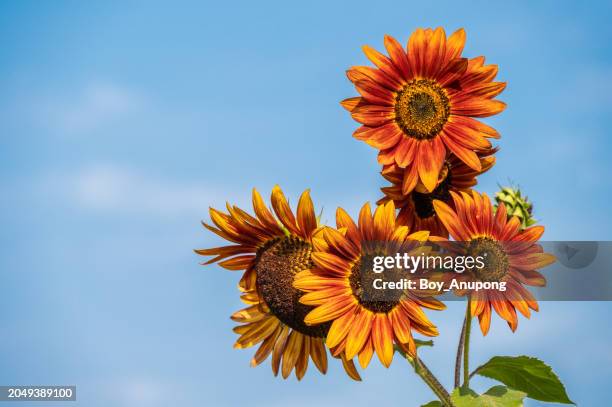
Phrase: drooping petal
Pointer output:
(382, 338)
(318, 354)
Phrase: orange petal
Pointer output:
(366, 353)
(360, 332)
(349, 368)
(343, 220)
(449, 218)
(373, 115)
(398, 56)
(360, 72)
(476, 125)
(265, 348)
(381, 137)
(302, 363)
(466, 136)
(384, 221)
(467, 156)
(315, 282)
(374, 93)
(351, 103)
(406, 151)
(339, 329)
(365, 222)
(410, 180)
(401, 325)
(291, 353)
(485, 319)
(306, 218)
(436, 52)
(279, 348)
(318, 354)
(455, 44)
(531, 261)
(331, 263)
(324, 295)
(238, 262)
(486, 90)
(283, 210)
(429, 161)
(477, 107)
(382, 338)
(340, 244)
(416, 49)
(329, 311)
(382, 62)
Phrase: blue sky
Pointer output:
(122, 122)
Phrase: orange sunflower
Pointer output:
(364, 320)
(512, 256)
(420, 103)
(416, 207)
(271, 250)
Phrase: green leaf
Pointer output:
(526, 374)
(498, 396)
(434, 403)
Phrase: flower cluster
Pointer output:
(304, 284)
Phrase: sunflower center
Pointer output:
(423, 202)
(362, 285)
(421, 109)
(495, 259)
(275, 267)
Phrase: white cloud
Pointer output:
(140, 393)
(108, 188)
(97, 105)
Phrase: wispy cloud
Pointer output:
(94, 106)
(113, 189)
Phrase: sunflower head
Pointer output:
(416, 204)
(271, 247)
(512, 255)
(364, 320)
(420, 103)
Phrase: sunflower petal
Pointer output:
(382, 338)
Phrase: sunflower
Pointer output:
(416, 206)
(420, 103)
(271, 250)
(512, 256)
(364, 320)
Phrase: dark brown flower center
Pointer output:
(421, 108)
(362, 285)
(276, 264)
(423, 202)
(495, 259)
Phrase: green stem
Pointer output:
(460, 354)
(466, 344)
(428, 377)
